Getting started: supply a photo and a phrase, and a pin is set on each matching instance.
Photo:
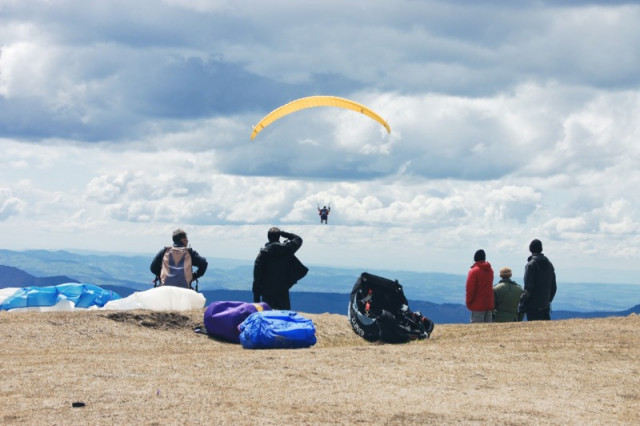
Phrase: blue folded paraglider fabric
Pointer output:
(277, 330)
(82, 296)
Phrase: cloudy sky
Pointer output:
(120, 121)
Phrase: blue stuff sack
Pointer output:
(277, 330)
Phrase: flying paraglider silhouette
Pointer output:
(324, 213)
(316, 101)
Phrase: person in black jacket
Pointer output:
(539, 285)
(276, 269)
(173, 265)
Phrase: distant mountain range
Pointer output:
(324, 289)
(303, 301)
(14, 277)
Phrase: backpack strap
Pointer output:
(157, 281)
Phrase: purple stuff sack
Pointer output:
(222, 318)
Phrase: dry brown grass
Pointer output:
(143, 367)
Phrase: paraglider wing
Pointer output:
(60, 297)
(316, 101)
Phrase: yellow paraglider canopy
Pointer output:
(315, 101)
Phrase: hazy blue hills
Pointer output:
(336, 303)
(325, 289)
(126, 271)
(14, 277)
(333, 303)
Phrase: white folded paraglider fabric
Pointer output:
(164, 298)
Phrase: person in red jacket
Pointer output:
(480, 289)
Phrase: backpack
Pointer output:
(176, 267)
(379, 310)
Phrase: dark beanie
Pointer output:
(535, 247)
(480, 255)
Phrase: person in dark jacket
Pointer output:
(507, 295)
(539, 285)
(277, 269)
(479, 289)
(173, 265)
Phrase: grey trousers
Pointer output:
(481, 316)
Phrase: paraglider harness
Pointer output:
(379, 310)
(156, 282)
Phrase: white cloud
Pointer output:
(9, 205)
(100, 189)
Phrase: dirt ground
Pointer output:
(142, 367)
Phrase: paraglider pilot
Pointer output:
(324, 213)
(173, 265)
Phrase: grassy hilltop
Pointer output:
(142, 367)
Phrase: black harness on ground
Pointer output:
(379, 310)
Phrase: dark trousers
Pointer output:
(278, 301)
(539, 315)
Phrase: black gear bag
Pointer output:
(379, 310)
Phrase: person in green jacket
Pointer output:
(507, 296)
